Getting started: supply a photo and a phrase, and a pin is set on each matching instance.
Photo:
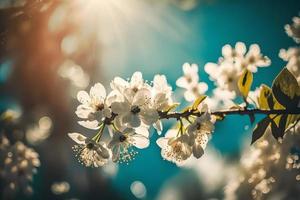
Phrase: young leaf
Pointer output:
(245, 82)
(279, 130)
(198, 101)
(260, 129)
(265, 99)
(286, 89)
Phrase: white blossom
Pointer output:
(175, 148)
(89, 152)
(190, 82)
(122, 141)
(292, 56)
(293, 30)
(93, 107)
(20, 164)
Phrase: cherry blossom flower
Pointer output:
(175, 148)
(20, 164)
(135, 108)
(200, 128)
(293, 30)
(253, 59)
(89, 152)
(122, 141)
(93, 106)
(190, 82)
(292, 56)
(232, 54)
(161, 97)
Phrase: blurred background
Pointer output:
(51, 49)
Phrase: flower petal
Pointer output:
(77, 137)
(83, 97)
(120, 108)
(98, 91)
(198, 151)
(139, 141)
(141, 97)
(90, 124)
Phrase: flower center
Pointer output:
(122, 138)
(135, 109)
(99, 107)
(198, 126)
(90, 145)
(188, 79)
(135, 89)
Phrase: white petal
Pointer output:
(161, 142)
(189, 95)
(171, 133)
(77, 137)
(120, 107)
(240, 48)
(90, 124)
(98, 91)
(83, 97)
(149, 116)
(202, 87)
(227, 51)
(141, 97)
(182, 82)
(119, 84)
(132, 120)
(142, 131)
(136, 80)
(158, 126)
(83, 111)
(139, 141)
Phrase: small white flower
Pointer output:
(201, 124)
(253, 59)
(122, 141)
(195, 91)
(294, 29)
(136, 83)
(190, 76)
(89, 152)
(190, 82)
(93, 106)
(175, 148)
(292, 56)
(135, 108)
(230, 53)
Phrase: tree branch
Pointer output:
(188, 113)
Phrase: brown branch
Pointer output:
(188, 113)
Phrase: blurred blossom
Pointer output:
(10, 115)
(60, 187)
(39, 132)
(293, 30)
(19, 165)
(204, 167)
(268, 169)
(74, 73)
(138, 189)
(69, 44)
(110, 170)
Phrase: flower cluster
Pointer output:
(190, 82)
(233, 62)
(180, 144)
(19, 165)
(293, 30)
(128, 111)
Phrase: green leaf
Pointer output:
(198, 101)
(286, 89)
(279, 130)
(245, 82)
(260, 129)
